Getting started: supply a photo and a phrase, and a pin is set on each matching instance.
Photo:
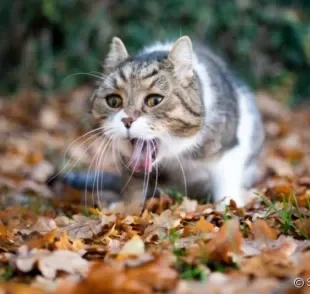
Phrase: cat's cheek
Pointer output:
(117, 126)
(124, 147)
(141, 128)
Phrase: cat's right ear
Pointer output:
(181, 55)
(116, 54)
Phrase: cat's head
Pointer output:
(150, 103)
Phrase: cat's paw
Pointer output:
(221, 205)
(239, 198)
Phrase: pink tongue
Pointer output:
(141, 158)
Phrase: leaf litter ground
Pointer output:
(54, 240)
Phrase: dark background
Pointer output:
(53, 45)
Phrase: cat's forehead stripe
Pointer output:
(152, 73)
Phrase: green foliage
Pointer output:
(7, 273)
(46, 43)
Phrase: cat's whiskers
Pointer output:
(156, 170)
(99, 163)
(146, 177)
(113, 153)
(140, 146)
(95, 177)
(66, 164)
(89, 169)
(101, 77)
(181, 166)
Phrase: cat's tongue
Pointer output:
(141, 158)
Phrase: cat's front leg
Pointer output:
(133, 192)
(227, 178)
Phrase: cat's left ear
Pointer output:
(116, 54)
(181, 55)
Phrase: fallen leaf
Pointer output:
(65, 244)
(104, 278)
(135, 246)
(26, 259)
(226, 241)
(262, 231)
(62, 260)
(82, 227)
(268, 265)
(163, 223)
(280, 167)
(285, 247)
(203, 226)
(19, 288)
(188, 205)
(43, 225)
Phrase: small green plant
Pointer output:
(285, 214)
(8, 273)
(191, 272)
(176, 195)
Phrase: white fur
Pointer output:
(140, 128)
(227, 174)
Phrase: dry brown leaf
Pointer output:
(42, 241)
(19, 288)
(281, 191)
(269, 265)
(82, 227)
(157, 274)
(26, 259)
(104, 278)
(62, 260)
(272, 261)
(262, 231)
(304, 266)
(135, 246)
(65, 244)
(3, 232)
(202, 226)
(228, 240)
(43, 225)
(280, 167)
(163, 223)
(188, 205)
(286, 247)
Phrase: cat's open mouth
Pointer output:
(143, 154)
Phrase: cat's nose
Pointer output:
(127, 122)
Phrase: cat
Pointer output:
(179, 117)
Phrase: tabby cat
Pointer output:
(179, 118)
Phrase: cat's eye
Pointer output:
(114, 101)
(153, 100)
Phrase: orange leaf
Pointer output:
(19, 288)
(65, 244)
(3, 231)
(262, 231)
(106, 278)
(227, 240)
(203, 226)
(286, 248)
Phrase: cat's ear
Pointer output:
(181, 55)
(116, 54)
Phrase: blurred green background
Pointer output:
(56, 44)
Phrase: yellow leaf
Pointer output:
(203, 226)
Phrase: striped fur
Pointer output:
(207, 121)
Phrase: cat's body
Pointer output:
(181, 117)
